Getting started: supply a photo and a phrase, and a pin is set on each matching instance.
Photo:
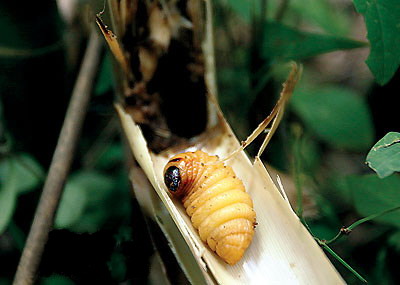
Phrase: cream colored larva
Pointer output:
(215, 199)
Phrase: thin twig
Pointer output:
(347, 230)
(344, 263)
(60, 165)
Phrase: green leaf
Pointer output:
(381, 273)
(56, 280)
(394, 240)
(322, 231)
(372, 195)
(8, 194)
(243, 8)
(235, 83)
(324, 14)
(309, 154)
(72, 205)
(117, 266)
(338, 189)
(384, 157)
(111, 157)
(80, 209)
(18, 174)
(29, 172)
(240, 7)
(286, 43)
(105, 79)
(382, 21)
(89, 200)
(336, 115)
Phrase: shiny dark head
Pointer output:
(172, 178)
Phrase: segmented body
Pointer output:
(215, 199)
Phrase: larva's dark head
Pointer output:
(174, 175)
(172, 178)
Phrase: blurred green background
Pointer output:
(341, 108)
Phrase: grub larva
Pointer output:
(216, 201)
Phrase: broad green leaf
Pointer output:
(394, 240)
(111, 157)
(72, 205)
(56, 280)
(235, 83)
(104, 81)
(240, 7)
(18, 174)
(339, 192)
(309, 153)
(8, 194)
(92, 220)
(382, 21)
(28, 171)
(80, 208)
(286, 43)
(323, 13)
(89, 202)
(384, 157)
(17, 235)
(101, 209)
(243, 8)
(381, 273)
(117, 266)
(372, 195)
(336, 115)
(323, 231)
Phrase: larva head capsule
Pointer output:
(172, 178)
(175, 176)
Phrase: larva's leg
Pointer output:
(275, 116)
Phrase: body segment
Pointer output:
(216, 201)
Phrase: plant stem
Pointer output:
(324, 245)
(359, 222)
(335, 238)
(60, 165)
(366, 219)
(344, 263)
